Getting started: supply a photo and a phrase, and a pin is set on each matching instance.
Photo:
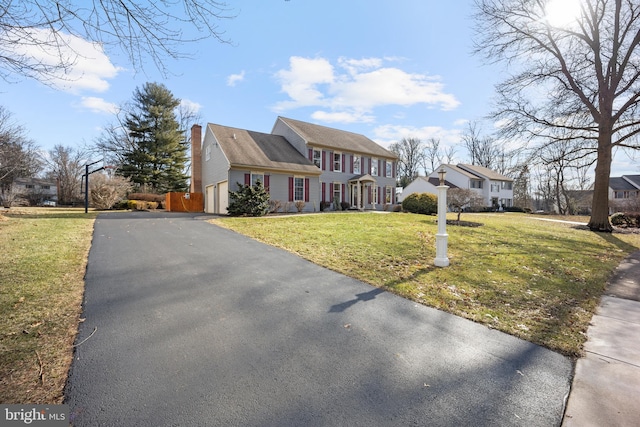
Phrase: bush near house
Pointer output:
(420, 203)
(249, 200)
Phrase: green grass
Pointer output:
(537, 280)
(43, 254)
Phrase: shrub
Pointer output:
(324, 205)
(299, 205)
(420, 203)
(275, 206)
(345, 205)
(147, 197)
(626, 219)
(105, 191)
(249, 200)
(620, 219)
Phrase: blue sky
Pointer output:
(386, 69)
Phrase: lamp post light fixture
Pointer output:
(442, 237)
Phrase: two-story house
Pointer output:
(495, 190)
(624, 192)
(296, 162)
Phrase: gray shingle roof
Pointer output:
(485, 172)
(620, 183)
(338, 139)
(244, 148)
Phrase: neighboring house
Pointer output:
(36, 191)
(422, 184)
(493, 188)
(297, 161)
(624, 192)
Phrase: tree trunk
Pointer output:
(600, 205)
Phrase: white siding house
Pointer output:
(493, 188)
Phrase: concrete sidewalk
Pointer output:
(606, 385)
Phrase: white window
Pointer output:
(495, 187)
(207, 153)
(255, 177)
(476, 183)
(374, 166)
(374, 194)
(389, 169)
(387, 194)
(507, 185)
(337, 162)
(337, 191)
(317, 158)
(298, 187)
(356, 165)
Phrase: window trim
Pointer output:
(319, 159)
(295, 180)
(337, 164)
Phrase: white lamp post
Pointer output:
(442, 236)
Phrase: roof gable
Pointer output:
(244, 148)
(337, 139)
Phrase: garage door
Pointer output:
(223, 197)
(208, 199)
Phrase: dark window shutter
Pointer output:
(380, 167)
(369, 165)
(331, 160)
(291, 189)
(344, 196)
(311, 154)
(266, 182)
(247, 179)
(306, 189)
(343, 160)
(351, 156)
(370, 194)
(379, 195)
(384, 168)
(324, 191)
(324, 160)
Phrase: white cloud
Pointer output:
(357, 88)
(234, 79)
(98, 105)
(191, 105)
(89, 68)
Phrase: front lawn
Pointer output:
(537, 280)
(43, 255)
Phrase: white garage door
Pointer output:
(208, 199)
(223, 197)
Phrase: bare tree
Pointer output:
(432, 155)
(153, 29)
(410, 152)
(459, 198)
(66, 165)
(482, 149)
(579, 81)
(18, 155)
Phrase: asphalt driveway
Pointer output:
(188, 324)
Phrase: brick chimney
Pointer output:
(196, 159)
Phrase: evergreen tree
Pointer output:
(157, 155)
(249, 200)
